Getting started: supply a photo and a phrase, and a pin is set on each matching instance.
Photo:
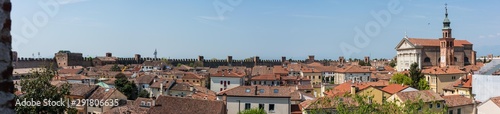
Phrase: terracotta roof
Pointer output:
(69, 71)
(262, 70)
(279, 70)
(166, 83)
(310, 70)
(381, 75)
(227, 74)
(190, 75)
(346, 87)
(146, 79)
(82, 89)
(457, 100)
(435, 42)
(178, 105)
(102, 93)
(353, 69)
(304, 87)
(258, 91)
(132, 107)
(474, 67)
(394, 88)
(79, 77)
(465, 82)
(441, 70)
(271, 77)
(185, 67)
(425, 95)
(181, 87)
(204, 93)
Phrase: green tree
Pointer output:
(392, 63)
(179, 64)
(423, 85)
(362, 63)
(361, 104)
(399, 78)
(144, 94)
(253, 111)
(115, 68)
(37, 87)
(128, 88)
(415, 74)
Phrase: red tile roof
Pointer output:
(442, 70)
(270, 77)
(227, 74)
(353, 69)
(464, 82)
(178, 105)
(82, 89)
(190, 75)
(394, 88)
(457, 100)
(424, 95)
(435, 42)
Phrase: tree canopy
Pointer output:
(128, 88)
(37, 87)
(399, 78)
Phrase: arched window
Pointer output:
(455, 59)
(427, 59)
(466, 59)
(439, 59)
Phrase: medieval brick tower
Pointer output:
(446, 43)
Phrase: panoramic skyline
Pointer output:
(269, 29)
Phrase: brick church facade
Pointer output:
(442, 52)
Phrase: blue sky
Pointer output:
(269, 29)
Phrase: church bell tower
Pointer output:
(446, 43)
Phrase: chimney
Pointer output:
(256, 90)
(108, 54)
(353, 89)
(191, 88)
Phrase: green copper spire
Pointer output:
(446, 22)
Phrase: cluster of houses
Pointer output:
(292, 87)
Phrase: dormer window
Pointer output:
(149, 104)
(143, 103)
(247, 90)
(261, 90)
(276, 90)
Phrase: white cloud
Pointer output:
(481, 36)
(491, 36)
